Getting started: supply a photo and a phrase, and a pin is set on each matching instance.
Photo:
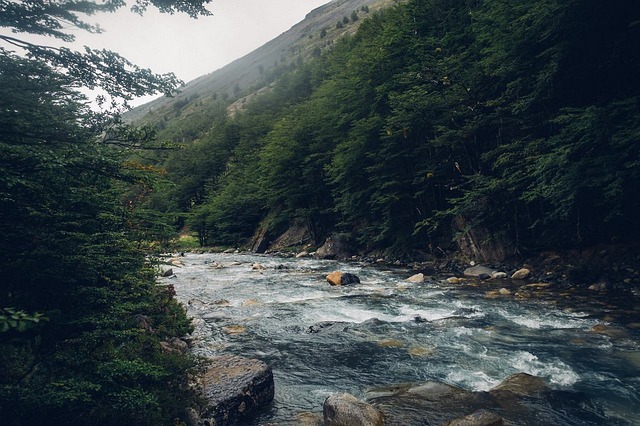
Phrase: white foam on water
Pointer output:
(475, 380)
(409, 312)
(555, 370)
(307, 298)
(346, 313)
(533, 320)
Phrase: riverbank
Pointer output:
(322, 340)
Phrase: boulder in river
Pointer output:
(478, 271)
(234, 388)
(342, 278)
(167, 273)
(417, 278)
(521, 274)
(347, 410)
(520, 384)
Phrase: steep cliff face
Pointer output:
(299, 43)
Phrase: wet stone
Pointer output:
(478, 418)
(234, 388)
(481, 272)
(346, 410)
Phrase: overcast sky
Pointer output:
(191, 48)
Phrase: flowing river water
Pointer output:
(321, 340)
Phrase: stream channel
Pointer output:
(321, 340)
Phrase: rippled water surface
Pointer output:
(322, 340)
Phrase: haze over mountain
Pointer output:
(300, 42)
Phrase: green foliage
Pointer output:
(20, 321)
(518, 117)
(81, 316)
(119, 79)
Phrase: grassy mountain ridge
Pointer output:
(250, 73)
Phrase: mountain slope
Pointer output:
(256, 69)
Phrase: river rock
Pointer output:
(167, 273)
(258, 267)
(334, 278)
(229, 251)
(478, 418)
(417, 278)
(302, 254)
(347, 410)
(499, 275)
(478, 272)
(428, 403)
(342, 278)
(521, 274)
(520, 384)
(233, 388)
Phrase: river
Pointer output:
(320, 340)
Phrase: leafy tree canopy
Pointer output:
(120, 79)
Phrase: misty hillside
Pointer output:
(259, 68)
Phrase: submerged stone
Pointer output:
(478, 418)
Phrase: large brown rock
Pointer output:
(234, 388)
(347, 410)
(342, 278)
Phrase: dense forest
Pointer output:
(436, 118)
(83, 325)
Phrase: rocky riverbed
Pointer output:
(466, 333)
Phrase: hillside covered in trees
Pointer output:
(520, 119)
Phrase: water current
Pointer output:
(321, 340)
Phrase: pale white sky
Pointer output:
(191, 48)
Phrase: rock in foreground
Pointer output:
(233, 388)
(347, 410)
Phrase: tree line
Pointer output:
(518, 117)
